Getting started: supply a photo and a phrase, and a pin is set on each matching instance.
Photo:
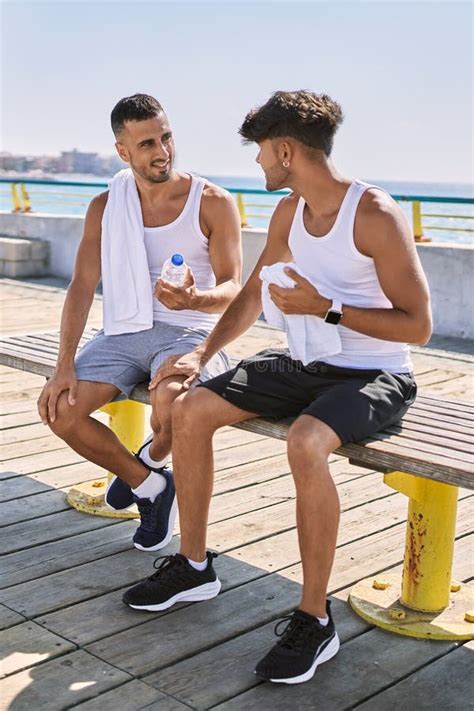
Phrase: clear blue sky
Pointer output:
(401, 70)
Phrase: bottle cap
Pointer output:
(177, 260)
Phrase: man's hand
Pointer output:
(178, 298)
(187, 364)
(62, 379)
(303, 298)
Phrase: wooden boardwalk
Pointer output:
(69, 642)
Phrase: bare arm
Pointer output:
(381, 232)
(386, 237)
(245, 308)
(220, 222)
(75, 311)
(222, 219)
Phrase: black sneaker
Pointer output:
(157, 517)
(119, 495)
(304, 644)
(174, 581)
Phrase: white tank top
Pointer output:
(341, 272)
(183, 236)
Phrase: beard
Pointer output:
(150, 176)
(276, 178)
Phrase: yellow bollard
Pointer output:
(418, 223)
(242, 211)
(422, 603)
(26, 198)
(429, 545)
(15, 199)
(127, 421)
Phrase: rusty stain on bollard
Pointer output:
(98, 484)
(415, 549)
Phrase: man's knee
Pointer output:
(162, 400)
(310, 441)
(67, 417)
(193, 409)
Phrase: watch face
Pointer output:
(333, 317)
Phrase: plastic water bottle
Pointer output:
(174, 270)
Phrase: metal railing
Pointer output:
(247, 199)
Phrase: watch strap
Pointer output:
(334, 313)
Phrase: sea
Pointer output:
(442, 222)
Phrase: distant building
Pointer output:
(68, 162)
(77, 162)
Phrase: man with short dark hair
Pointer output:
(150, 212)
(362, 277)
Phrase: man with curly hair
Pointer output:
(362, 277)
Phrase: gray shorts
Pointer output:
(131, 358)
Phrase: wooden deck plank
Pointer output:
(65, 554)
(31, 507)
(54, 527)
(450, 678)
(132, 696)
(376, 454)
(250, 489)
(25, 433)
(363, 666)
(29, 644)
(437, 375)
(41, 596)
(242, 567)
(221, 672)
(49, 442)
(60, 683)
(225, 670)
(18, 565)
(9, 618)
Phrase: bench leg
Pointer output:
(425, 603)
(127, 421)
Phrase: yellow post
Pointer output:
(418, 223)
(424, 603)
(429, 543)
(242, 211)
(26, 198)
(15, 199)
(127, 421)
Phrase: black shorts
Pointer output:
(354, 403)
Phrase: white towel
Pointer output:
(128, 298)
(309, 337)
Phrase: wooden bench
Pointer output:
(426, 456)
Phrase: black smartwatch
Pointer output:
(334, 313)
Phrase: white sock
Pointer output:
(198, 566)
(323, 621)
(153, 485)
(148, 461)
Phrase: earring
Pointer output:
(286, 164)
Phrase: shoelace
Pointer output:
(298, 634)
(174, 563)
(169, 563)
(148, 512)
